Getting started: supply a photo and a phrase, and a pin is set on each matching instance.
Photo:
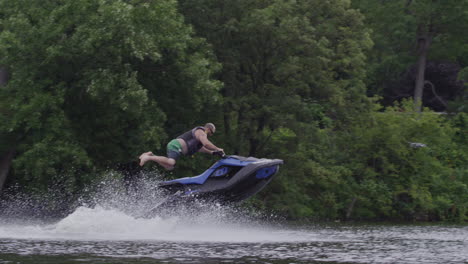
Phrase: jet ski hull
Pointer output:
(230, 180)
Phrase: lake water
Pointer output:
(110, 231)
(98, 235)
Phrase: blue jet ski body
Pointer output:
(231, 179)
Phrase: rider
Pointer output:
(190, 142)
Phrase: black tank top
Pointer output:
(193, 144)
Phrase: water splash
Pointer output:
(113, 211)
(107, 227)
(110, 224)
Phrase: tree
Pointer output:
(280, 59)
(290, 69)
(82, 95)
(408, 31)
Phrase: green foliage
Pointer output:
(397, 180)
(459, 104)
(79, 95)
(95, 83)
(283, 64)
(396, 27)
(371, 171)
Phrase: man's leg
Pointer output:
(167, 163)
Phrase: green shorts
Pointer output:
(174, 149)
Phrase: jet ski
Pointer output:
(231, 179)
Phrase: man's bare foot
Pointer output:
(146, 153)
(144, 158)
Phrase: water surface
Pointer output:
(111, 231)
(98, 235)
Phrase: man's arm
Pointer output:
(201, 135)
(205, 150)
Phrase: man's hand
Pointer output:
(219, 152)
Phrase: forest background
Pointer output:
(364, 100)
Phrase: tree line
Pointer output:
(364, 100)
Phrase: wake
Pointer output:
(113, 210)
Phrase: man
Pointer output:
(190, 142)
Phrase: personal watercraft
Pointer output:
(231, 179)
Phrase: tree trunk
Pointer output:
(3, 76)
(5, 158)
(349, 211)
(5, 164)
(424, 43)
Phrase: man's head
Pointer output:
(210, 129)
